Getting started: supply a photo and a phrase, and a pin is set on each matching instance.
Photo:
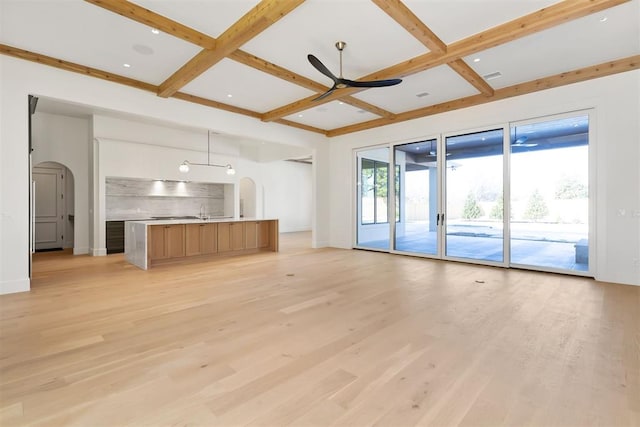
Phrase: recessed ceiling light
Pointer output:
(422, 94)
(340, 102)
(155, 31)
(476, 59)
(299, 115)
(126, 65)
(603, 19)
(229, 95)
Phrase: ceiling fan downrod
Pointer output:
(340, 46)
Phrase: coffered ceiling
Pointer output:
(250, 56)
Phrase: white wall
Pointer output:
(321, 196)
(287, 188)
(65, 140)
(20, 78)
(616, 100)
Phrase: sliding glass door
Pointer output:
(372, 167)
(416, 230)
(550, 194)
(474, 207)
(515, 195)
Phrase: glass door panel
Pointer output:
(417, 202)
(372, 198)
(550, 194)
(474, 206)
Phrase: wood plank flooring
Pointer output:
(316, 338)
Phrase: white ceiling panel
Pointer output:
(331, 115)
(211, 17)
(453, 20)
(441, 83)
(249, 87)
(79, 32)
(374, 40)
(577, 44)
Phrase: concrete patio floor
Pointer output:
(536, 245)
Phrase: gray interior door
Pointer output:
(48, 208)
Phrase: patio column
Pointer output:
(433, 198)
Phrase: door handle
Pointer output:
(437, 220)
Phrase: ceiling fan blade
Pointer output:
(372, 83)
(320, 67)
(327, 93)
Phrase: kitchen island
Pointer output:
(148, 243)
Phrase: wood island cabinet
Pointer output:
(171, 242)
(166, 241)
(201, 239)
(256, 234)
(264, 231)
(230, 236)
(251, 235)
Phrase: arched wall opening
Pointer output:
(247, 198)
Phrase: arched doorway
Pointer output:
(247, 198)
(53, 207)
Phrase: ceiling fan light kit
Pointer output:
(342, 83)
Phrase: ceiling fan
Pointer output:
(521, 141)
(340, 82)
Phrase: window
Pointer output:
(375, 187)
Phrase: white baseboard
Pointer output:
(80, 251)
(294, 230)
(14, 286)
(98, 252)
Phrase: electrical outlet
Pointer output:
(622, 212)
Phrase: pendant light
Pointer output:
(184, 166)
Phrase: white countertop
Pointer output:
(197, 221)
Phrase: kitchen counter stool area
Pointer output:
(148, 243)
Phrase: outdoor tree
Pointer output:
(570, 188)
(374, 178)
(472, 209)
(537, 207)
(497, 211)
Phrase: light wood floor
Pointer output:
(316, 337)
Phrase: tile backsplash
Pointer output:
(130, 198)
